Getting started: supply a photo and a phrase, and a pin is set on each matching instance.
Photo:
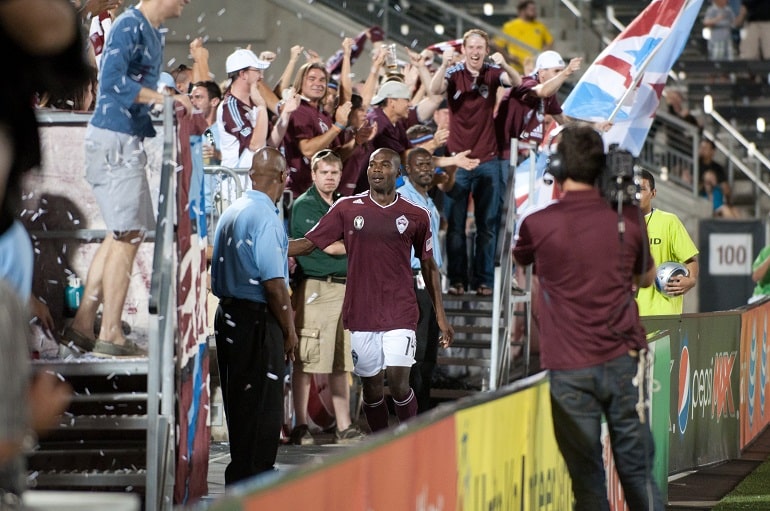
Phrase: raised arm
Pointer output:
(288, 72)
(431, 102)
(259, 137)
(550, 87)
(370, 86)
(346, 84)
(439, 84)
(200, 56)
(511, 77)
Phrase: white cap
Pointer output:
(549, 60)
(392, 89)
(166, 80)
(242, 59)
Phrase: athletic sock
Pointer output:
(407, 408)
(376, 415)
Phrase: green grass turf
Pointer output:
(752, 494)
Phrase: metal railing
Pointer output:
(161, 444)
(421, 23)
(503, 299)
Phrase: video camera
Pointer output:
(618, 179)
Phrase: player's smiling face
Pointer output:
(382, 171)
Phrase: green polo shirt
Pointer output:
(307, 210)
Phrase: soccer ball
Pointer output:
(666, 272)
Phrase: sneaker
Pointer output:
(300, 435)
(349, 436)
(109, 349)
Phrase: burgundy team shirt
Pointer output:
(471, 105)
(379, 295)
(521, 115)
(587, 314)
(354, 166)
(389, 135)
(306, 122)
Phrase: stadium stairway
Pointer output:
(100, 443)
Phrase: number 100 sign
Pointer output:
(730, 254)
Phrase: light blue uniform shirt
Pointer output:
(16, 259)
(250, 247)
(408, 191)
(131, 60)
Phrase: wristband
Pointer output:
(340, 126)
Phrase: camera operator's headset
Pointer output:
(557, 166)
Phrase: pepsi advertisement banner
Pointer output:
(705, 388)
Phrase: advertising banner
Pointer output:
(705, 390)
(415, 471)
(754, 368)
(508, 457)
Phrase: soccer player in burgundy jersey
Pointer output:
(379, 228)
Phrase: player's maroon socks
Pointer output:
(376, 415)
(406, 409)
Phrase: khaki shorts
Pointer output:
(115, 169)
(324, 346)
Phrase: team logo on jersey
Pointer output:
(401, 224)
(484, 91)
(324, 127)
(358, 223)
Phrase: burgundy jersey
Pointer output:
(471, 105)
(379, 295)
(389, 135)
(521, 115)
(354, 166)
(306, 122)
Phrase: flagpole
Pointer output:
(646, 63)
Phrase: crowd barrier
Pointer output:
(496, 450)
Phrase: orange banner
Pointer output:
(415, 471)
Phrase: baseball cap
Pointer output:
(166, 80)
(549, 60)
(242, 59)
(392, 89)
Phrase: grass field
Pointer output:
(752, 494)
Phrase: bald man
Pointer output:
(253, 325)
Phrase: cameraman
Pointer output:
(591, 336)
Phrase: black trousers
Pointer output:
(251, 368)
(421, 375)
